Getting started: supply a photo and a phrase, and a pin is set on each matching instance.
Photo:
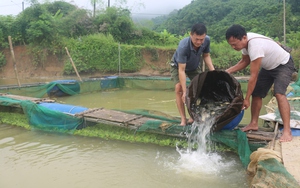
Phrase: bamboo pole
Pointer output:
(284, 24)
(14, 59)
(73, 64)
(259, 137)
(119, 59)
(275, 135)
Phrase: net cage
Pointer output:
(60, 88)
(42, 118)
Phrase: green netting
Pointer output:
(272, 174)
(68, 88)
(43, 118)
(50, 89)
(294, 99)
(237, 140)
(148, 83)
(296, 87)
(72, 87)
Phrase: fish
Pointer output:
(210, 109)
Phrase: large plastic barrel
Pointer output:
(65, 108)
(235, 122)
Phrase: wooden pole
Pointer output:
(119, 60)
(275, 135)
(94, 14)
(73, 64)
(284, 29)
(14, 59)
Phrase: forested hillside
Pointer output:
(99, 40)
(263, 16)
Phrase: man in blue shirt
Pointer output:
(187, 62)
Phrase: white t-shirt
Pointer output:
(272, 54)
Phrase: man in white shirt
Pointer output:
(269, 64)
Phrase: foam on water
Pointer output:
(196, 158)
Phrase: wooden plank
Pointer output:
(111, 115)
(260, 135)
(109, 123)
(44, 100)
(81, 114)
(18, 97)
(291, 157)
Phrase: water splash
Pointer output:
(197, 157)
(198, 138)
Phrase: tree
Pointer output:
(7, 29)
(256, 15)
(117, 22)
(93, 3)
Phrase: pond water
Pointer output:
(125, 99)
(39, 159)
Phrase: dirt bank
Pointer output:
(53, 66)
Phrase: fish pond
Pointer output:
(42, 159)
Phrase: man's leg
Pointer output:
(256, 105)
(263, 85)
(178, 95)
(283, 76)
(180, 104)
(284, 109)
(191, 76)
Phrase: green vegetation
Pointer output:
(265, 17)
(102, 131)
(2, 60)
(109, 132)
(96, 39)
(118, 133)
(17, 119)
(99, 52)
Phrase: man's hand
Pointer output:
(246, 104)
(183, 97)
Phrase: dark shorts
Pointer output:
(280, 76)
(190, 74)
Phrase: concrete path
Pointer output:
(291, 157)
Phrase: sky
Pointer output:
(137, 7)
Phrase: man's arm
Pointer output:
(208, 61)
(243, 63)
(182, 79)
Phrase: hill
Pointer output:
(265, 17)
